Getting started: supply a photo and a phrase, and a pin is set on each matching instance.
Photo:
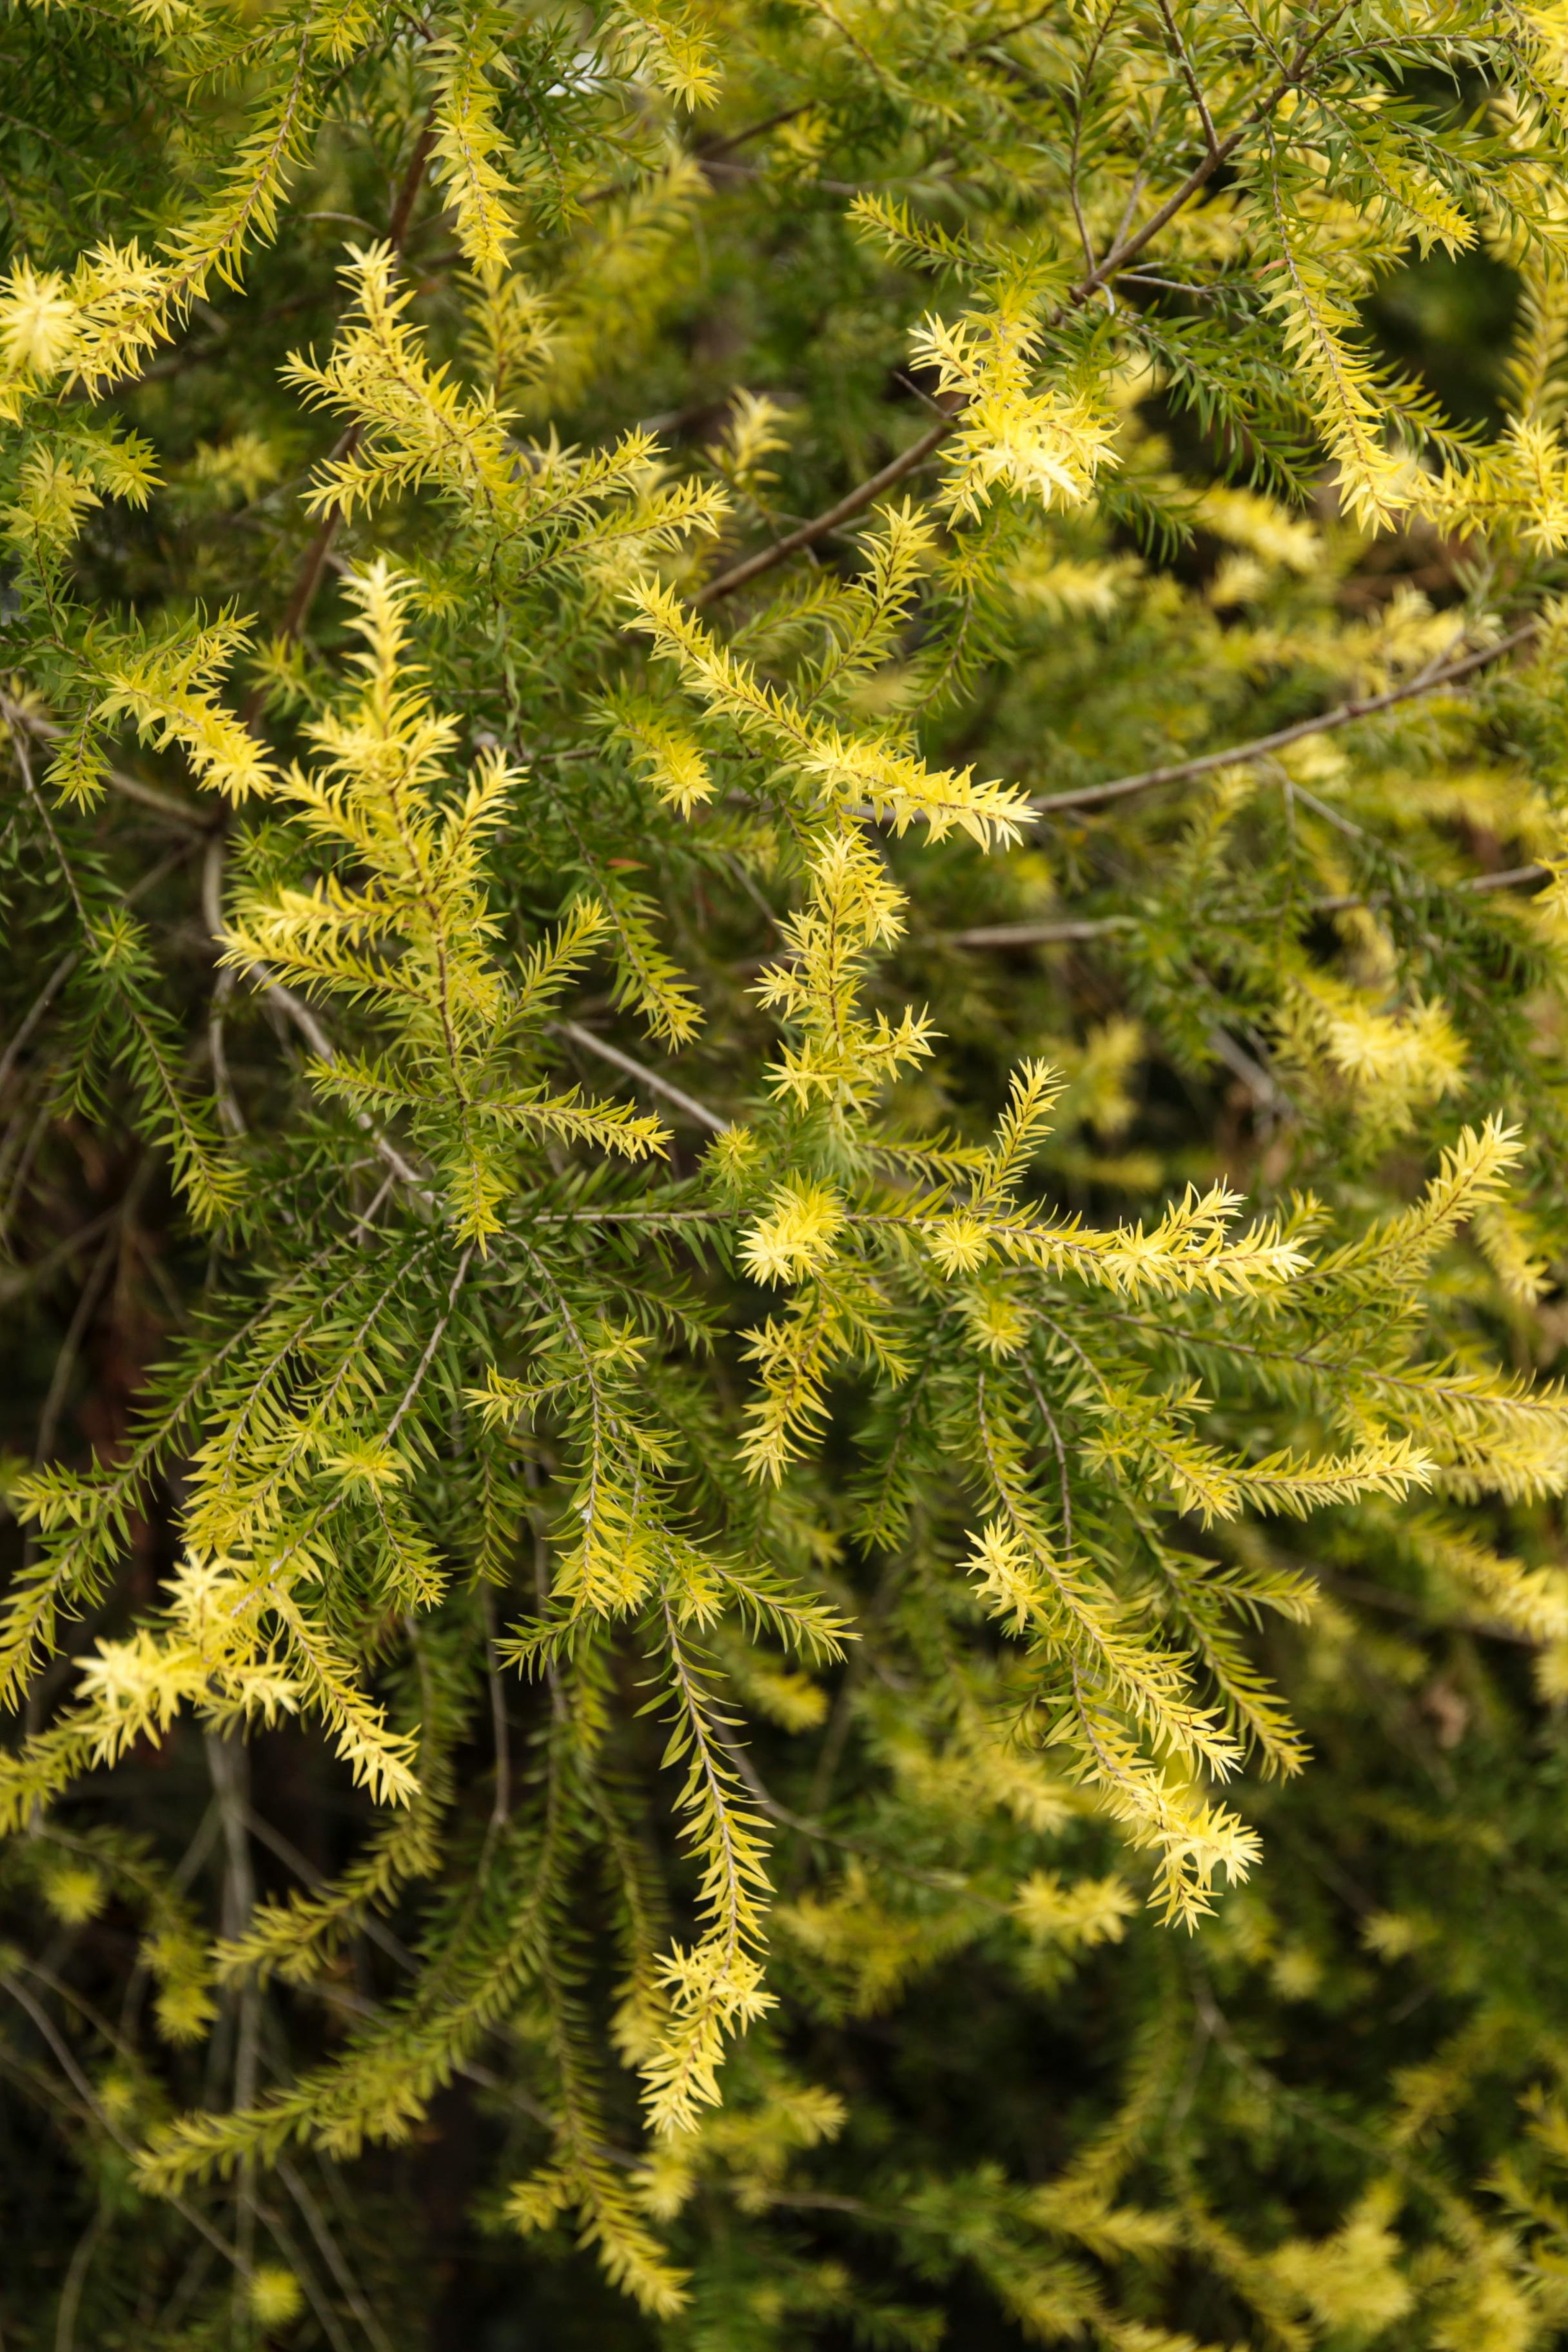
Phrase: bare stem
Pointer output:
(642, 1075)
(1236, 755)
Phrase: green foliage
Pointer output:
(783, 1176)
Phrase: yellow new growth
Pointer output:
(414, 941)
(468, 138)
(1050, 444)
(840, 769)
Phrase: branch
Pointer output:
(322, 1045)
(104, 2120)
(41, 1269)
(1255, 1076)
(164, 805)
(278, 2229)
(829, 520)
(1511, 878)
(68, 964)
(1189, 76)
(915, 456)
(1039, 935)
(1344, 714)
(229, 1766)
(647, 1078)
(709, 149)
(423, 1366)
(331, 2254)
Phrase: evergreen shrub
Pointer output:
(784, 1155)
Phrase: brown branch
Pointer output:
(1199, 177)
(1189, 75)
(709, 149)
(829, 520)
(1344, 714)
(413, 179)
(1039, 935)
(1063, 934)
(862, 495)
(317, 556)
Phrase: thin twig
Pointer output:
(946, 1881)
(1267, 2084)
(75, 1331)
(331, 2254)
(1039, 935)
(423, 1366)
(291, 1856)
(1259, 1082)
(821, 525)
(36, 1012)
(645, 1077)
(278, 2231)
(322, 1045)
(1059, 1449)
(1342, 902)
(68, 964)
(132, 788)
(1344, 714)
(706, 153)
(864, 493)
(75, 2280)
(500, 1810)
(42, 1269)
(90, 2099)
(1512, 877)
(354, 2003)
(228, 1769)
(233, 1118)
(1189, 75)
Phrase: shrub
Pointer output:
(785, 1153)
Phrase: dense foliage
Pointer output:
(784, 1147)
